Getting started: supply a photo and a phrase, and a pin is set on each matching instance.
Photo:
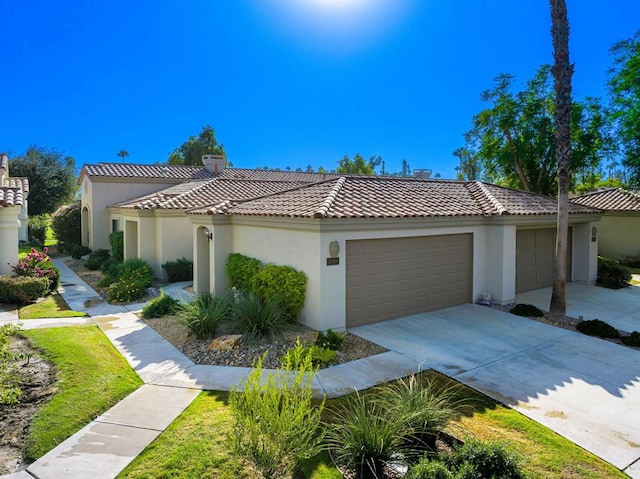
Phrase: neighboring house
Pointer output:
(619, 229)
(375, 248)
(106, 184)
(13, 215)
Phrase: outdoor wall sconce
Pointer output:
(208, 233)
(594, 234)
(334, 249)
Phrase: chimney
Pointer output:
(214, 163)
(4, 167)
(421, 173)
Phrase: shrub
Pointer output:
(631, 261)
(424, 409)
(428, 469)
(241, 270)
(136, 269)
(37, 227)
(527, 310)
(632, 340)
(284, 282)
(258, 319)
(126, 290)
(476, 459)
(10, 375)
(595, 327)
(611, 274)
(78, 251)
(204, 314)
(275, 424)
(38, 265)
(160, 306)
(111, 267)
(116, 240)
(22, 289)
(66, 224)
(179, 270)
(329, 339)
(97, 259)
(297, 356)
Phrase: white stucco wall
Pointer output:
(9, 226)
(619, 235)
(584, 264)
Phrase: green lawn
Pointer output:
(194, 445)
(52, 306)
(92, 377)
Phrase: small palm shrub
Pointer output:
(611, 274)
(136, 269)
(476, 459)
(596, 327)
(116, 240)
(179, 270)
(96, 259)
(527, 310)
(160, 306)
(329, 339)
(260, 319)
(22, 289)
(204, 314)
(126, 290)
(37, 226)
(38, 265)
(632, 340)
(275, 423)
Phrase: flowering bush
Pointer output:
(38, 265)
(126, 290)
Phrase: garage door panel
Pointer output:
(535, 257)
(395, 277)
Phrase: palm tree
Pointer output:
(123, 154)
(562, 71)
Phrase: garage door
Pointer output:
(391, 278)
(535, 252)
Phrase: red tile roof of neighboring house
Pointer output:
(130, 170)
(11, 196)
(384, 197)
(611, 199)
(22, 183)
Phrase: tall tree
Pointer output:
(468, 168)
(192, 150)
(624, 91)
(123, 154)
(358, 166)
(562, 72)
(52, 178)
(513, 141)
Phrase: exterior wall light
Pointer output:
(594, 234)
(334, 249)
(208, 233)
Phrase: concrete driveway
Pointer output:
(586, 389)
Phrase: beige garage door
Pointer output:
(391, 278)
(535, 251)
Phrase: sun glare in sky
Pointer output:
(336, 25)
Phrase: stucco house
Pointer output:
(376, 248)
(13, 215)
(619, 228)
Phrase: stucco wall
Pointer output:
(619, 235)
(9, 226)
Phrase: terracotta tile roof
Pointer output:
(130, 170)
(11, 196)
(22, 183)
(273, 175)
(380, 197)
(611, 199)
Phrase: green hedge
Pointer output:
(611, 274)
(116, 240)
(268, 282)
(66, 224)
(179, 270)
(22, 289)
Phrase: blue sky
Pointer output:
(283, 82)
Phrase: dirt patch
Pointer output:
(38, 384)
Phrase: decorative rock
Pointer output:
(225, 343)
(153, 292)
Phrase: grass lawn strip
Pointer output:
(53, 306)
(92, 377)
(194, 444)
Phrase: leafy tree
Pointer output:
(52, 178)
(513, 141)
(192, 150)
(562, 73)
(123, 154)
(358, 166)
(624, 90)
(468, 169)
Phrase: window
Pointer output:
(115, 225)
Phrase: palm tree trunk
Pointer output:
(562, 71)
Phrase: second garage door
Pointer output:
(535, 255)
(395, 277)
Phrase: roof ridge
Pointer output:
(331, 197)
(177, 197)
(492, 199)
